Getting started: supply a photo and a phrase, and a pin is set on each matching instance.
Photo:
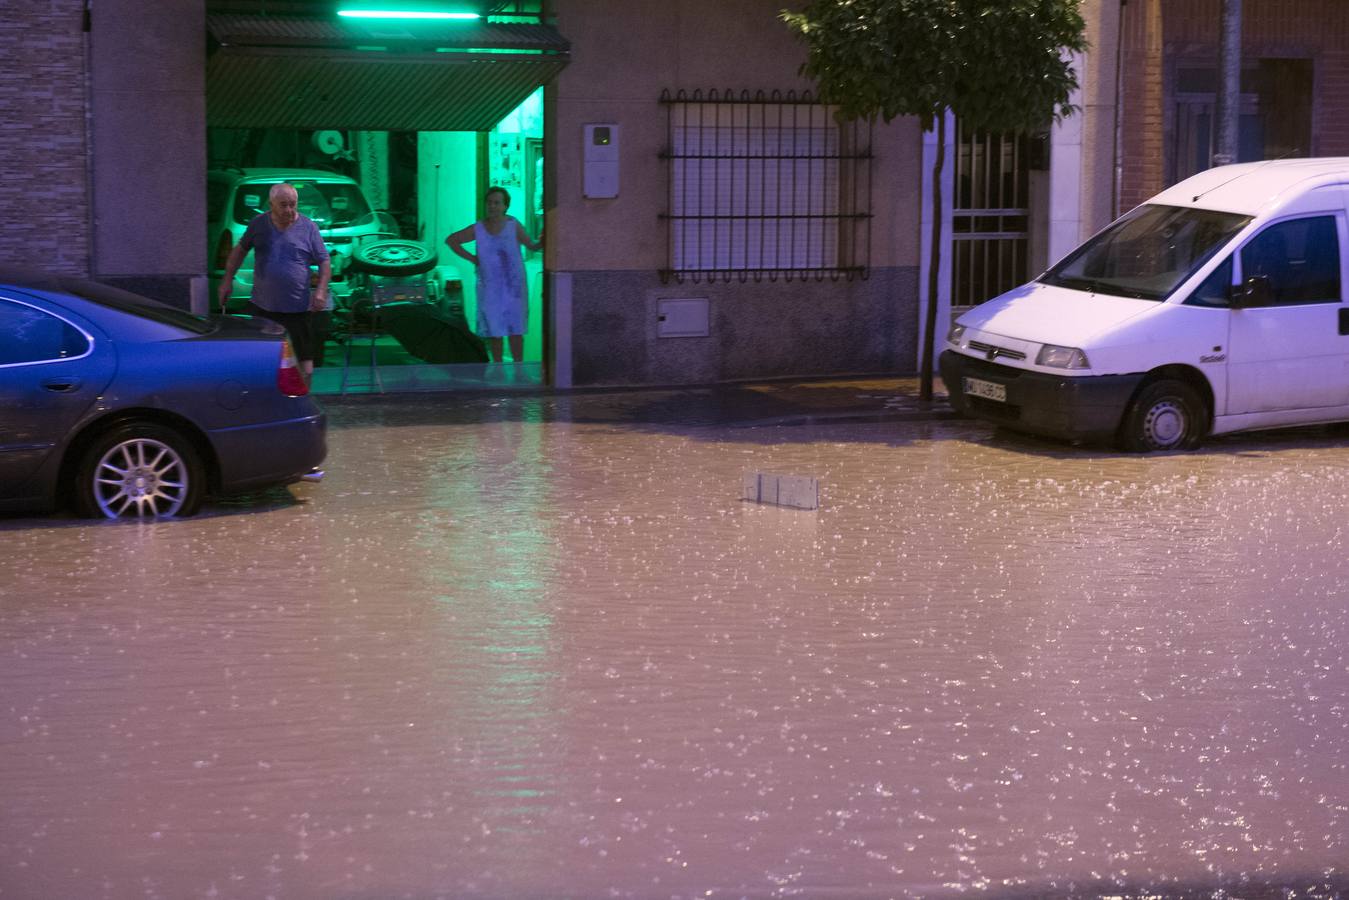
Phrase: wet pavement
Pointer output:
(535, 645)
(781, 403)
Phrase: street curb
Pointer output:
(535, 390)
(849, 417)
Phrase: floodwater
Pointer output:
(528, 656)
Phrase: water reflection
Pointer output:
(547, 659)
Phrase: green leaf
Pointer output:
(998, 63)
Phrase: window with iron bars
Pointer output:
(765, 186)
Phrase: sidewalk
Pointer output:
(748, 404)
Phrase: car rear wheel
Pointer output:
(393, 257)
(1166, 415)
(141, 470)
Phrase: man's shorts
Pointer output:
(300, 327)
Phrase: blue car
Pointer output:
(120, 406)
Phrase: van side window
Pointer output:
(1215, 290)
(1299, 258)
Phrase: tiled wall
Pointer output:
(755, 330)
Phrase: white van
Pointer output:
(1217, 306)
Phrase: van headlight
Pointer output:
(1057, 357)
(955, 334)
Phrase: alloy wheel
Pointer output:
(140, 477)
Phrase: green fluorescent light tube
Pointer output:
(402, 14)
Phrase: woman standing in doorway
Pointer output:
(502, 309)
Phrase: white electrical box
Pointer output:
(682, 318)
(601, 161)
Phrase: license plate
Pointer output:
(977, 387)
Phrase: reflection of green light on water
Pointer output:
(521, 679)
(504, 50)
(491, 572)
(532, 412)
(517, 584)
(514, 651)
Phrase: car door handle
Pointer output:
(62, 385)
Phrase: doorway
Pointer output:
(421, 186)
(405, 114)
(990, 216)
(1275, 119)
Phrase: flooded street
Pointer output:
(520, 651)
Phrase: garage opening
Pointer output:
(391, 131)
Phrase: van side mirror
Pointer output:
(1255, 291)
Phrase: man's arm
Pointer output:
(318, 301)
(236, 259)
(318, 254)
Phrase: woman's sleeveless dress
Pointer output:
(501, 280)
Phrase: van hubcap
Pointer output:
(1165, 424)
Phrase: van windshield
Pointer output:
(1147, 253)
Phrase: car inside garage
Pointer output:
(391, 126)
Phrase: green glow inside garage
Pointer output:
(426, 184)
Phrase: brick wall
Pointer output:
(1141, 112)
(43, 195)
(1330, 120)
(1306, 29)
(1265, 24)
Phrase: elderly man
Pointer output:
(286, 244)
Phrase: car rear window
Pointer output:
(330, 204)
(136, 305)
(112, 298)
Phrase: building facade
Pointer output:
(706, 220)
(1295, 72)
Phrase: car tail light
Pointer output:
(222, 250)
(289, 379)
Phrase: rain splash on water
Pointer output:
(551, 659)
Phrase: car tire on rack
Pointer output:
(142, 470)
(1166, 415)
(393, 257)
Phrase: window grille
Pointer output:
(765, 186)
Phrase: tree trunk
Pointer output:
(934, 265)
(1227, 111)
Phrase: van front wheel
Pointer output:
(1166, 415)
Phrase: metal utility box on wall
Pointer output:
(682, 318)
(601, 161)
